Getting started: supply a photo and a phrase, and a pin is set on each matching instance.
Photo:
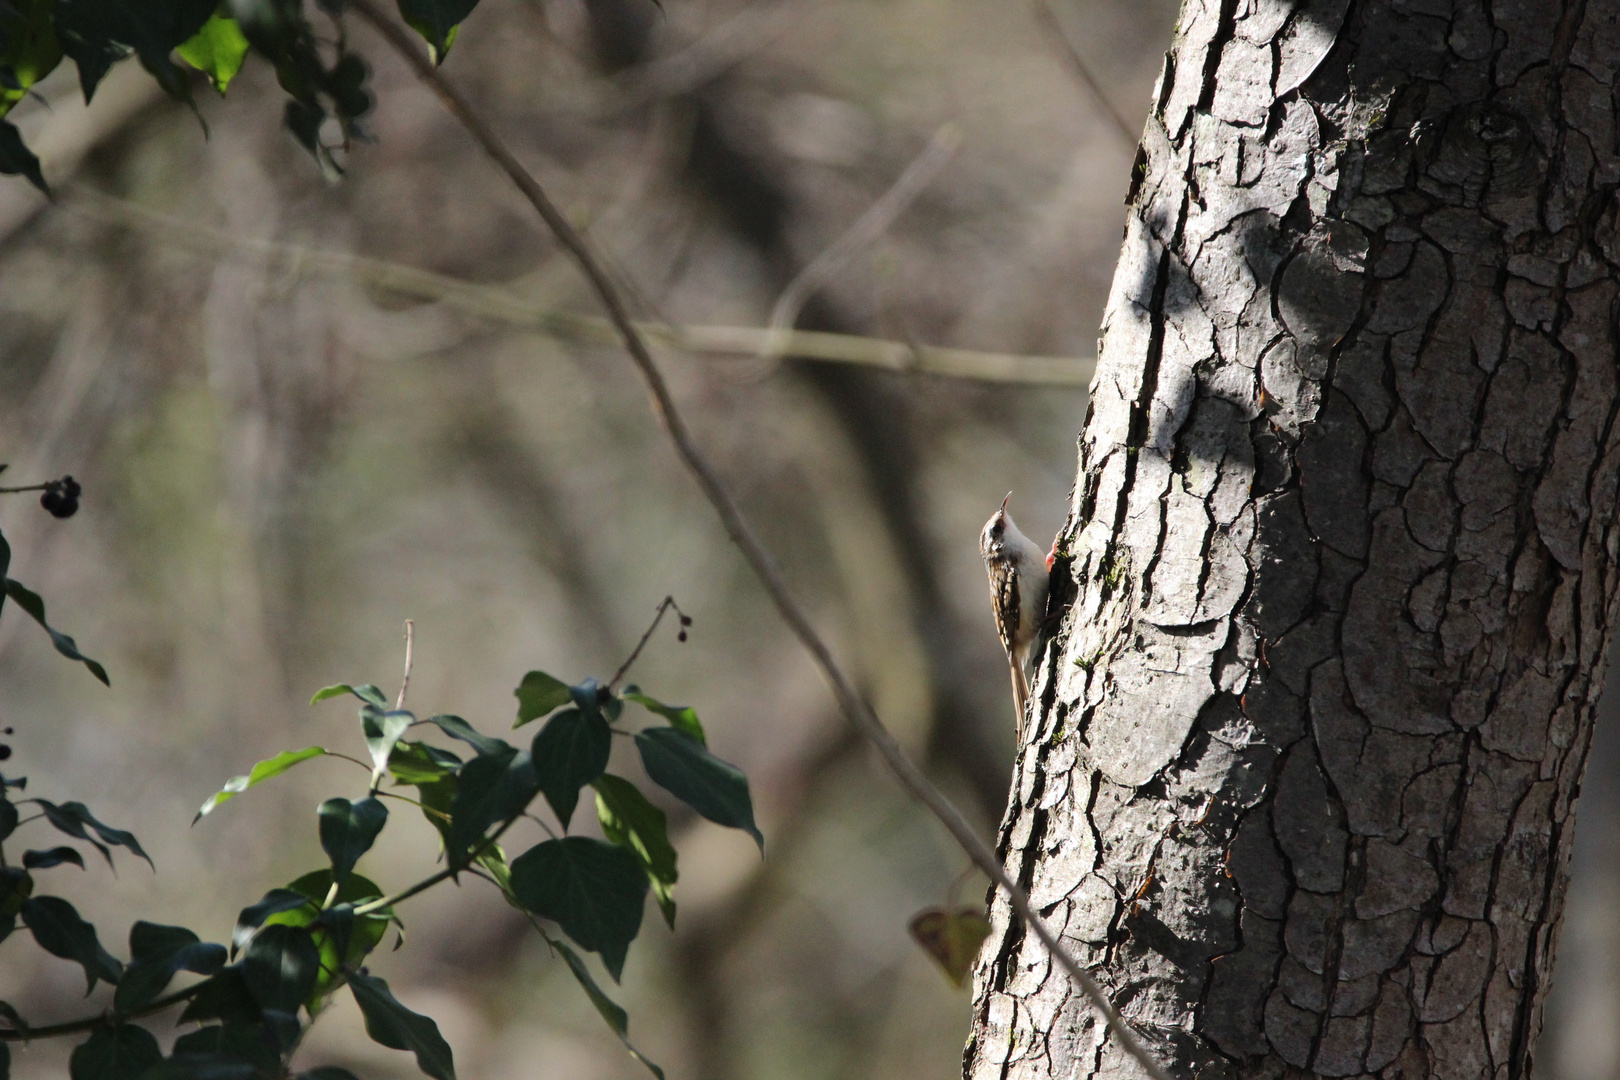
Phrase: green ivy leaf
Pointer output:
(337, 922)
(432, 772)
(27, 600)
(570, 751)
(537, 695)
(156, 954)
(218, 1048)
(952, 938)
(17, 160)
(90, 33)
(205, 1066)
(348, 830)
(16, 885)
(274, 902)
(327, 1072)
(260, 772)
(123, 1052)
(344, 939)
(587, 696)
(437, 21)
(392, 1025)
(382, 730)
(217, 50)
(5, 1061)
(29, 51)
(593, 890)
(366, 692)
(684, 767)
(8, 818)
(72, 817)
(488, 789)
(616, 1018)
(56, 856)
(457, 728)
(61, 932)
(280, 966)
(636, 825)
(681, 717)
(418, 763)
(96, 33)
(225, 997)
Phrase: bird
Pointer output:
(1019, 579)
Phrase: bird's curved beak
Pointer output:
(1004, 502)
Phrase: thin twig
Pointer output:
(1048, 18)
(538, 820)
(867, 228)
(688, 70)
(667, 603)
(405, 680)
(500, 304)
(108, 1018)
(433, 879)
(737, 526)
(422, 806)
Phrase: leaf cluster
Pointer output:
(179, 42)
(298, 945)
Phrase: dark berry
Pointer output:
(681, 636)
(686, 620)
(61, 497)
(59, 504)
(5, 751)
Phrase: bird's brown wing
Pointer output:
(1004, 593)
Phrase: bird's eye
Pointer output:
(996, 528)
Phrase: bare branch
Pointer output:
(736, 524)
(1048, 18)
(499, 304)
(867, 228)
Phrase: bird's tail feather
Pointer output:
(1020, 685)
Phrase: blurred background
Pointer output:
(288, 450)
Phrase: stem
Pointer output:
(405, 681)
(90, 1023)
(414, 802)
(741, 531)
(538, 820)
(433, 879)
(30, 487)
(667, 603)
(956, 886)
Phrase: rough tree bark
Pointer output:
(1341, 555)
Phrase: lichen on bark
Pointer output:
(1342, 555)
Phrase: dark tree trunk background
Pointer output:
(1341, 555)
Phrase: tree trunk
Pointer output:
(1341, 557)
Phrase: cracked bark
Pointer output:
(1341, 554)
